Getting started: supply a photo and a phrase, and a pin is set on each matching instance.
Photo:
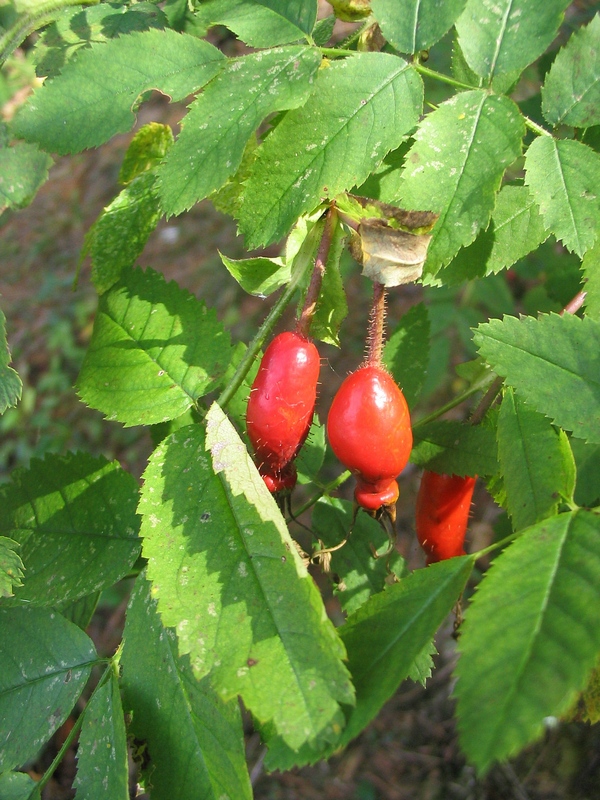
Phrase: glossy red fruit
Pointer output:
(442, 514)
(281, 406)
(369, 431)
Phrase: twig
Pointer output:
(314, 288)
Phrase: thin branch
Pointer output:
(314, 288)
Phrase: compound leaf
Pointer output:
(261, 23)
(195, 739)
(530, 636)
(456, 165)
(517, 228)
(360, 109)
(564, 176)
(413, 25)
(75, 521)
(390, 631)
(229, 580)
(536, 462)
(497, 38)
(102, 768)
(455, 448)
(219, 123)
(94, 96)
(554, 364)
(45, 661)
(571, 90)
(10, 383)
(154, 351)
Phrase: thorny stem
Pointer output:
(575, 304)
(314, 288)
(376, 326)
(27, 23)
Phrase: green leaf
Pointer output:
(23, 169)
(406, 353)
(456, 165)
(11, 566)
(390, 631)
(517, 228)
(72, 32)
(262, 23)
(524, 661)
(554, 364)
(501, 83)
(360, 109)
(221, 120)
(74, 518)
(455, 448)
(195, 739)
(45, 662)
(358, 574)
(501, 37)
(564, 176)
(10, 383)
(121, 231)
(236, 408)
(587, 459)
(591, 270)
(571, 90)
(413, 25)
(92, 99)
(312, 454)
(154, 351)
(536, 462)
(17, 786)
(227, 576)
(384, 182)
(332, 306)
(80, 612)
(102, 768)
(149, 146)
(259, 276)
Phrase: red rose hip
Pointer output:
(442, 514)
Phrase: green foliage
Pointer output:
(223, 606)
(508, 679)
(195, 739)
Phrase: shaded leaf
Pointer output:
(524, 661)
(413, 25)
(360, 109)
(332, 306)
(74, 518)
(10, 383)
(259, 276)
(554, 364)
(564, 176)
(456, 165)
(455, 448)
(149, 146)
(93, 97)
(406, 353)
(571, 90)
(591, 271)
(195, 739)
(587, 459)
(312, 454)
(227, 576)
(536, 462)
(154, 351)
(102, 768)
(11, 566)
(79, 612)
(261, 23)
(17, 786)
(23, 169)
(45, 662)
(517, 228)
(500, 37)
(222, 119)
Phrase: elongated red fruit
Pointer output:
(281, 406)
(369, 431)
(442, 514)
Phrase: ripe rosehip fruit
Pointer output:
(369, 431)
(442, 514)
(281, 407)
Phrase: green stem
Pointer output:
(302, 261)
(456, 401)
(438, 76)
(533, 126)
(73, 733)
(26, 24)
(330, 487)
(333, 52)
(495, 545)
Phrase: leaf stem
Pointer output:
(329, 487)
(314, 288)
(439, 76)
(456, 401)
(486, 401)
(533, 126)
(302, 261)
(73, 733)
(333, 52)
(28, 23)
(376, 326)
